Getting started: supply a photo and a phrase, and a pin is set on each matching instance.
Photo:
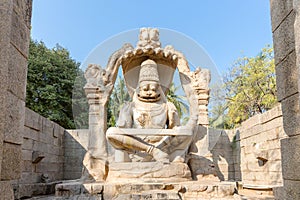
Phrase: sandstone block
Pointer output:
(27, 144)
(274, 154)
(278, 193)
(291, 157)
(17, 73)
(39, 146)
(45, 138)
(27, 166)
(30, 177)
(274, 166)
(12, 161)
(20, 34)
(271, 114)
(23, 10)
(284, 38)
(5, 22)
(279, 10)
(6, 190)
(80, 136)
(31, 134)
(291, 189)
(14, 119)
(48, 127)
(272, 144)
(271, 134)
(149, 170)
(71, 175)
(32, 119)
(253, 121)
(250, 132)
(287, 68)
(27, 155)
(291, 115)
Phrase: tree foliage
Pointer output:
(249, 88)
(118, 97)
(50, 80)
(80, 103)
(177, 100)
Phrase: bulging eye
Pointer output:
(145, 88)
(153, 87)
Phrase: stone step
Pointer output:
(189, 190)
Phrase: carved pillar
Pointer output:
(97, 145)
(97, 91)
(203, 97)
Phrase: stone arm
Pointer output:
(173, 118)
(125, 116)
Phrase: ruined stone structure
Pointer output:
(151, 146)
(36, 154)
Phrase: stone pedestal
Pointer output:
(190, 190)
(148, 171)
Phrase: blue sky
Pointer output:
(226, 30)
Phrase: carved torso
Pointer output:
(149, 115)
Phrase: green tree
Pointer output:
(250, 89)
(118, 97)
(218, 107)
(50, 80)
(178, 101)
(79, 102)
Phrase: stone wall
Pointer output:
(220, 146)
(50, 151)
(285, 16)
(15, 16)
(258, 140)
(42, 149)
(75, 144)
(61, 151)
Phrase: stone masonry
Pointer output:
(285, 17)
(15, 16)
(50, 154)
(259, 146)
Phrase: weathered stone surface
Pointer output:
(287, 68)
(14, 119)
(32, 120)
(279, 10)
(291, 189)
(291, 157)
(31, 190)
(150, 190)
(48, 127)
(284, 38)
(31, 133)
(6, 190)
(291, 115)
(12, 161)
(271, 114)
(148, 170)
(30, 177)
(75, 146)
(20, 34)
(279, 193)
(259, 155)
(17, 73)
